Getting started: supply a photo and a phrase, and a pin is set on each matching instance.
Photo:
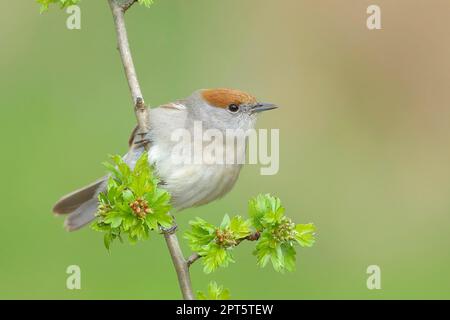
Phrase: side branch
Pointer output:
(194, 257)
(252, 237)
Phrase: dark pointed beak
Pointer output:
(259, 107)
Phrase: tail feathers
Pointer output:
(82, 216)
(74, 200)
(81, 204)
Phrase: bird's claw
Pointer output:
(142, 143)
(170, 230)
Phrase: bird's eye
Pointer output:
(233, 108)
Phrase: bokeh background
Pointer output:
(364, 128)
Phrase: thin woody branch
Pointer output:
(118, 9)
(141, 112)
(194, 257)
(127, 4)
(252, 237)
(181, 265)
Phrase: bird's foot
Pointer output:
(143, 142)
(170, 230)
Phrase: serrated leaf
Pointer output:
(264, 250)
(107, 238)
(62, 3)
(200, 235)
(265, 210)
(215, 292)
(225, 221)
(214, 256)
(128, 196)
(274, 217)
(289, 255)
(305, 234)
(146, 3)
(240, 227)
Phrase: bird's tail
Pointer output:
(81, 205)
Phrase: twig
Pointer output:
(194, 257)
(118, 9)
(252, 237)
(128, 3)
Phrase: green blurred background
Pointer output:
(364, 129)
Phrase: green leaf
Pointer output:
(115, 223)
(215, 292)
(128, 222)
(277, 258)
(305, 234)
(124, 171)
(256, 211)
(265, 249)
(265, 210)
(225, 222)
(128, 196)
(62, 3)
(151, 221)
(107, 238)
(201, 234)
(164, 219)
(215, 256)
(240, 227)
(280, 254)
(274, 217)
(65, 3)
(111, 168)
(146, 3)
(289, 254)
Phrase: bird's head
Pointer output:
(225, 108)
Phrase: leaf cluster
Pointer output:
(146, 3)
(215, 244)
(132, 204)
(66, 3)
(62, 3)
(279, 235)
(276, 236)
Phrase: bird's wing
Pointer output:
(177, 105)
(133, 134)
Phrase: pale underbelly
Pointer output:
(194, 185)
(190, 185)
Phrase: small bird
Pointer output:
(189, 183)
